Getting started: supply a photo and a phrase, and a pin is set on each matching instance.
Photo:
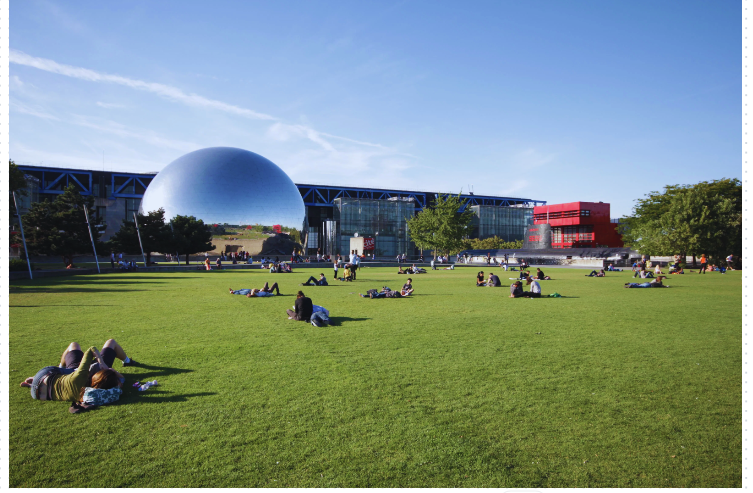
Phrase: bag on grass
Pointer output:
(100, 397)
(555, 295)
(319, 319)
(318, 308)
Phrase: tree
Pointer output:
(690, 219)
(190, 235)
(16, 183)
(440, 226)
(156, 236)
(492, 243)
(59, 227)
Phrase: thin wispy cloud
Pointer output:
(278, 131)
(29, 110)
(163, 90)
(532, 158)
(110, 105)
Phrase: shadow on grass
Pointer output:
(72, 290)
(336, 321)
(45, 306)
(155, 396)
(158, 371)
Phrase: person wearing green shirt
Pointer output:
(77, 371)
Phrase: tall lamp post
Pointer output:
(376, 235)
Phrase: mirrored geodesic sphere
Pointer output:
(226, 185)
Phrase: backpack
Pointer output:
(319, 319)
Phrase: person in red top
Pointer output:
(704, 262)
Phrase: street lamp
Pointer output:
(375, 245)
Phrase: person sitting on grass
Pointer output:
(385, 293)
(408, 286)
(322, 281)
(347, 274)
(657, 270)
(493, 281)
(258, 293)
(524, 275)
(677, 270)
(77, 371)
(656, 283)
(535, 290)
(303, 308)
(516, 290)
(480, 279)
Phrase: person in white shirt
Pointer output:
(535, 290)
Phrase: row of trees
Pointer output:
(688, 220)
(58, 227)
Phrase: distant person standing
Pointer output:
(488, 258)
(335, 266)
(112, 259)
(433, 266)
(704, 263)
(730, 259)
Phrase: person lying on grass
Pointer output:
(596, 274)
(257, 293)
(386, 293)
(77, 371)
(322, 281)
(656, 283)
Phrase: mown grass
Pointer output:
(455, 386)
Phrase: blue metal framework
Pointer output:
(63, 178)
(495, 201)
(130, 179)
(324, 196)
(313, 195)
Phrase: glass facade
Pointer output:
(368, 217)
(508, 223)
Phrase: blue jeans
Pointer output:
(243, 292)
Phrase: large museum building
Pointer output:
(334, 214)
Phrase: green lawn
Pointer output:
(456, 386)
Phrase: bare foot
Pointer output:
(27, 382)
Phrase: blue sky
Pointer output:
(557, 101)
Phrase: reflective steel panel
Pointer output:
(226, 185)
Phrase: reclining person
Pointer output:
(322, 281)
(257, 293)
(596, 274)
(77, 371)
(386, 293)
(656, 283)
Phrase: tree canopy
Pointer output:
(492, 243)
(190, 235)
(688, 220)
(156, 236)
(440, 227)
(59, 227)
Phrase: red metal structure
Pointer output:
(579, 225)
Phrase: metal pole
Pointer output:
(138, 233)
(89, 226)
(23, 237)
